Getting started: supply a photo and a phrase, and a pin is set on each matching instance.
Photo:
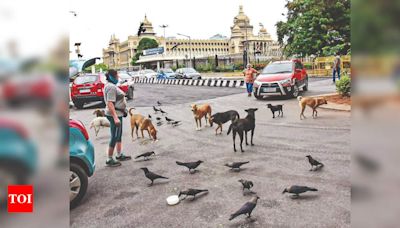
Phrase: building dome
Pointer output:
(241, 17)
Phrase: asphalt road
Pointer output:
(120, 197)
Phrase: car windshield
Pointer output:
(167, 71)
(148, 71)
(124, 76)
(85, 79)
(276, 68)
(189, 70)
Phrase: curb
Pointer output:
(336, 107)
(212, 82)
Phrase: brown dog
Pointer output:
(312, 102)
(140, 122)
(99, 113)
(200, 111)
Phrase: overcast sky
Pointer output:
(97, 20)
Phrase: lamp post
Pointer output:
(190, 47)
(164, 26)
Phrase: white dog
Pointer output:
(99, 122)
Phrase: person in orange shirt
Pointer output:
(249, 75)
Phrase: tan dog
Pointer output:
(200, 111)
(99, 113)
(140, 122)
(312, 102)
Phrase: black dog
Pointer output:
(223, 117)
(276, 108)
(244, 125)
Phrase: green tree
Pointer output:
(97, 67)
(145, 43)
(315, 27)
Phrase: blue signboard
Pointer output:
(153, 51)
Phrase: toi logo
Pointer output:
(20, 198)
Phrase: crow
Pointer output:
(158, 118)
(175, 123)
(190, 165)
(149, 116)
(163, 112)
(236, 165)
(247, 208)
(159, 123)
(152, 176)
(191, 192)
(296, 190)
(145, 155)
(155, 109)
(314, 162)
(158, 103)
(168, 119)
(246, 184)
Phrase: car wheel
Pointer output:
(78, 183)
(79, 105)
(130, 93)
(199, 77)
(295, 91)
(305, 87)
(10, 174)
(257, 96)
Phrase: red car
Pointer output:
(90, 87)
(284, 78)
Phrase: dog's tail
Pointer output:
(299, 98)
(237, 116)
(230, 128)
(130, 113)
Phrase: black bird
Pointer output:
(190, 165)
(145, 155)
(168, 119)
(175, 123)
(159, 103)
(155, 109)
(247, 208)
(162, 111)
(191, 192)
(314, 162)
(236, 165)
(149, 116)
(246, 184)
(159, 123)
(158, 118)
(296, 190)
(152, 176)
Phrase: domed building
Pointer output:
(259, 46)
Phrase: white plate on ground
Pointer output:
(173, 200)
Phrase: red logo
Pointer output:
(20, 198)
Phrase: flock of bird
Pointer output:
(174, 123)
(249, 206)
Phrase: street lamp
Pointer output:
(190, 47)
(164, 26)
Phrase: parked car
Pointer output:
(28, 89)
(166, 73)
(281, 78)
(90, 87)
(82, 161)
(18, 156)
(126, 80)
(187, 73)
(147, 74)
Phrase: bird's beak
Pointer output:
(284, 191)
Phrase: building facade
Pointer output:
(259, 46)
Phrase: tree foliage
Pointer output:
(315, 27)
(145, 43)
